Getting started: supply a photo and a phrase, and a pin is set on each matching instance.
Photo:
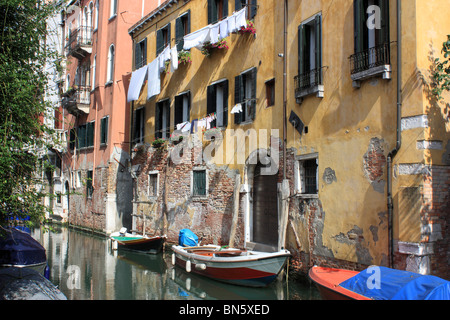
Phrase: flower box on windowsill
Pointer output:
(208, 48)
(249, 29)
(158, 143)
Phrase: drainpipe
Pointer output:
(394, 152)
(285, 89)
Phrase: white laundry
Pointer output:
(241, 20)
(173, 59)
(163, 57)
(137, 79)
(232, 23)
(186, 127)
(237, 109)
(224, 29)
(154, 79)
(197, 39)
(214, 33)
(201, 123)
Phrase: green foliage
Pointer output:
(441, 72)
(23, 82)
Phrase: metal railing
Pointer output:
(308, 79)
(373, 57)
(83, 95)
(79, 37)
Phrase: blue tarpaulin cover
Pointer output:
(187, 238)
(381, 283)
(19, 248)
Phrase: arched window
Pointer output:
(96, 15)
(110, 68)
(93, 72)
(113, 10)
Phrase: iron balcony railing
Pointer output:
(371, 58)
(308, 80)
(81, 37)
(83, 95)
(79, 95)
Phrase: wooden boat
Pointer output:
(123, 240)
(241, 267)
(378, 283)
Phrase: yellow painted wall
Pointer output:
(340, 125)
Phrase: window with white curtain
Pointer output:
(113, 10)
(96, 15)
(110, 67)
(94, 65)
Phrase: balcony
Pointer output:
(309, 83)
(77, 101)
(370, 63)
(79, 43)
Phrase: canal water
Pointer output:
(84, 267)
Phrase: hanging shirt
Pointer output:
(214, 33)
(224, 29)
(173, 59)
(241, 18)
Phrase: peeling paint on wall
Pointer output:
(374, 164)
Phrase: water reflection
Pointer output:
(84, 267)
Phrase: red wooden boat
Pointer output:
(328, 282)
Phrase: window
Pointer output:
(113, 9)
(94, 66)
(217, 102)
(182, 108)
(162, 119)
(252, 7)
(309, 58)
(162, 38)
(104, 130)
(371, 30)
(140, 54)
(182, 28)
(110, 67)
(245, 94)
(72, 139)
(89, 185)
(138, 125)
(217, 10)
(96, 16)
(153, 184)
(270, 92)
(86, 135)
(306, 170)
(199, 183)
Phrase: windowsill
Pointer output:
(197, 197)
(318, 90)
(112, 17)
(307, 196)
(384, 71)
(109, 83)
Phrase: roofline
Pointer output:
(149, 17)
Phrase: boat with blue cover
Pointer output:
(378, 283)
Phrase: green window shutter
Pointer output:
(238, 96)
(238, 5)
(211, 100)
(360, 27)
(90, 134)
(144, 53)
(225, 9)
(212, 11)
(158, 121)
(169, 37)
(225, 103)
(383, 35)
(318, 33)
(159, 42)
(178, 109)
(167, 112)
(179, 34)
(253, 8)
(137, 56)
(199, 181)
(301, 49)
(104, 130)
(253, 73)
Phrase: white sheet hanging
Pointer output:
(154, 78)
(197, 39)
(136, 82)
(224, 29)
(241, 18)
(237, 109)
(214, 33)
(163, 57)
(173, 59)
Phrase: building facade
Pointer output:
(366, 152)
(95, 114)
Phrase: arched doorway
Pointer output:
(264, 222)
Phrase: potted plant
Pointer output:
(176, 137)
(184, 57)
(249, 29)
(158, 143)
(209, 47)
